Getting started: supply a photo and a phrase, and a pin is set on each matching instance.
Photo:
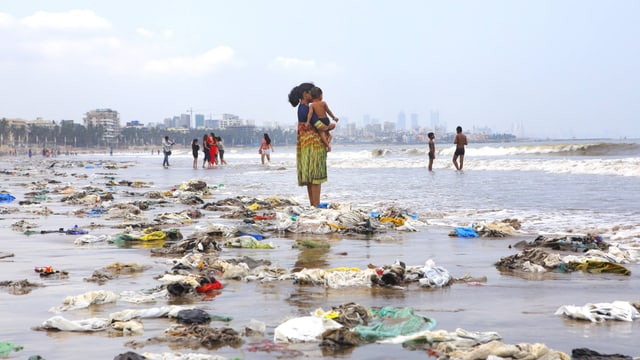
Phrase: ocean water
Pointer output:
(552, 188)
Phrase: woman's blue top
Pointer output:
(303, 112)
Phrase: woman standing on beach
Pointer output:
(221, 151)
(266, 148)
(195, 149)
(205, 149)
(213, 149)
(311, 154)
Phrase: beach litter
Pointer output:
(536, 260)
(600, 312)
(6, 347)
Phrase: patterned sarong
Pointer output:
(311, 157)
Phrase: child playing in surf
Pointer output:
(432, 149)
(320, 109)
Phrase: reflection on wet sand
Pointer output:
(313, 258)
(304, 298)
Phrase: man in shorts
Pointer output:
(460, 140)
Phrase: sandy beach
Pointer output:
(520, 308)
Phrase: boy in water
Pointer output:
(321, 109)
(460, 140)
(432, 149)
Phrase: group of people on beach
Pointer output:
(313, 142)
(460, 140)
(212, 148)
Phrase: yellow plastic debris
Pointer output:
(254, 207)
(395, 221)
(156, 235)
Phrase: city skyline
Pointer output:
(553, 69)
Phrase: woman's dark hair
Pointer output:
(204, 140)
(296, 93)
(267, 138)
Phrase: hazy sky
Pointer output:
(561, 68)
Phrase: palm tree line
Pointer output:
(69, 135)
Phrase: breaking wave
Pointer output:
(566, 149)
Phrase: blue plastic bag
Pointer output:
(6, 198)
(466, 232)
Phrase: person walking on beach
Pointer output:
(206, 161)
(320, 108)
(311, 154)
(195, 149)
(460, 140)
(432, 150)
(166, 148)
(266, 148)
(221, 151)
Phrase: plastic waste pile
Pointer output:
(537, 260)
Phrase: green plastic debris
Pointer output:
(391, 322)
(220, 318)
(6, 347)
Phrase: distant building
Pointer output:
(212, 124)
(388, 127)
(230, 120)
(134, 123)
(108, 119)
(184, 121)
(402, 121)
(199, 121)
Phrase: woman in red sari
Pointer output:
(213, 149)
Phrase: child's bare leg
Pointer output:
(323, 136)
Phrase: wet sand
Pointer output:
(521, 310)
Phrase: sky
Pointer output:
(559, 69)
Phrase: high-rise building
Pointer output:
(402, 121)
(199, 121)
(185, 121)
(108, 119)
